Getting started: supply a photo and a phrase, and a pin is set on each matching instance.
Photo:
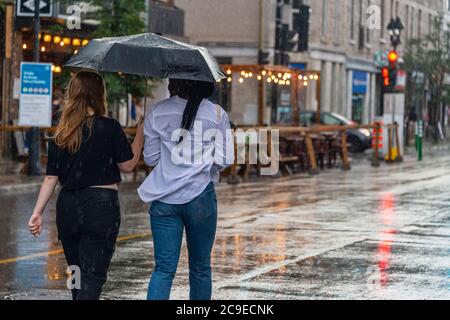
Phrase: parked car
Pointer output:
(359, 139)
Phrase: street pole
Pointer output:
(420, 124)
(6, 74)
(261, 85)
(34, 165)
(395, 27)
(276, 59)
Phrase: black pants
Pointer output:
(88, 222)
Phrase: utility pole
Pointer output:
(278, 25)
(6, 73)
(34, 163)
(390, 74)
(277, 57)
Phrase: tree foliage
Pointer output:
(119, 18)
(429, 56)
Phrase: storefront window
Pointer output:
(222, 94)
(359, 91)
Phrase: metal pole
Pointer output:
(276, 61)
(145, 97)
(34, 165)
(6, 73)
(261, 84)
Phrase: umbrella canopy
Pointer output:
(148, 55)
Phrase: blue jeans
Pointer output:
(199, 217)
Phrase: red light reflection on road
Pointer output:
(384, 250)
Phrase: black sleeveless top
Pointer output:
(95, 164)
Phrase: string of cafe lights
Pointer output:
(279, 78)
(49, 39)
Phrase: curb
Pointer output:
(19, 188)
(38, 294)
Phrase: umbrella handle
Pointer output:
(145, 97)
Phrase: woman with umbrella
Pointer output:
(181, 193)
(86, 156)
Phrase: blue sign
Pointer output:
(36, 81)
(359, 82)
(36, 78)
(298, 66)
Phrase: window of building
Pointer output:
(419, 25)
(324, 17)
(383, 17)
(337, 20)
(392, 8)
(367, 28)
(407, 22)
(222, 92)
(352, 19)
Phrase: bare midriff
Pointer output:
(111, 186)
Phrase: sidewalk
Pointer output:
(428, 147)
(13, 181)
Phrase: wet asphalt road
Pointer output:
(371, 233)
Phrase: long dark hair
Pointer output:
(195, 92)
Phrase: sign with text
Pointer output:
(401, 80)
(359, 82)
(35, 108)
(25, 8)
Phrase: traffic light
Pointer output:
(385, 72)
(389, 76)
(263, 57)
(393, 57)
(288, 38)
(301, 21)
(389, 73)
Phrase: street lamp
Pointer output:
(395, 28)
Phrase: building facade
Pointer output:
(347, 34)
(344, 37)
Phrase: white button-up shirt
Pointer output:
(182, 171)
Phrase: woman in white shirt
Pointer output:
(188, 141)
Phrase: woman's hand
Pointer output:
(136, 146)
(35, 224)
(47, 189)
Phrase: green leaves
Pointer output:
(430, 55)
(120, 18)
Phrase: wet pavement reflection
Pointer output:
(370, 233)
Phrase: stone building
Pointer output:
(344, 36)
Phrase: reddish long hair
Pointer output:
(86, 90)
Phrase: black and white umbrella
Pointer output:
(149, 55)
